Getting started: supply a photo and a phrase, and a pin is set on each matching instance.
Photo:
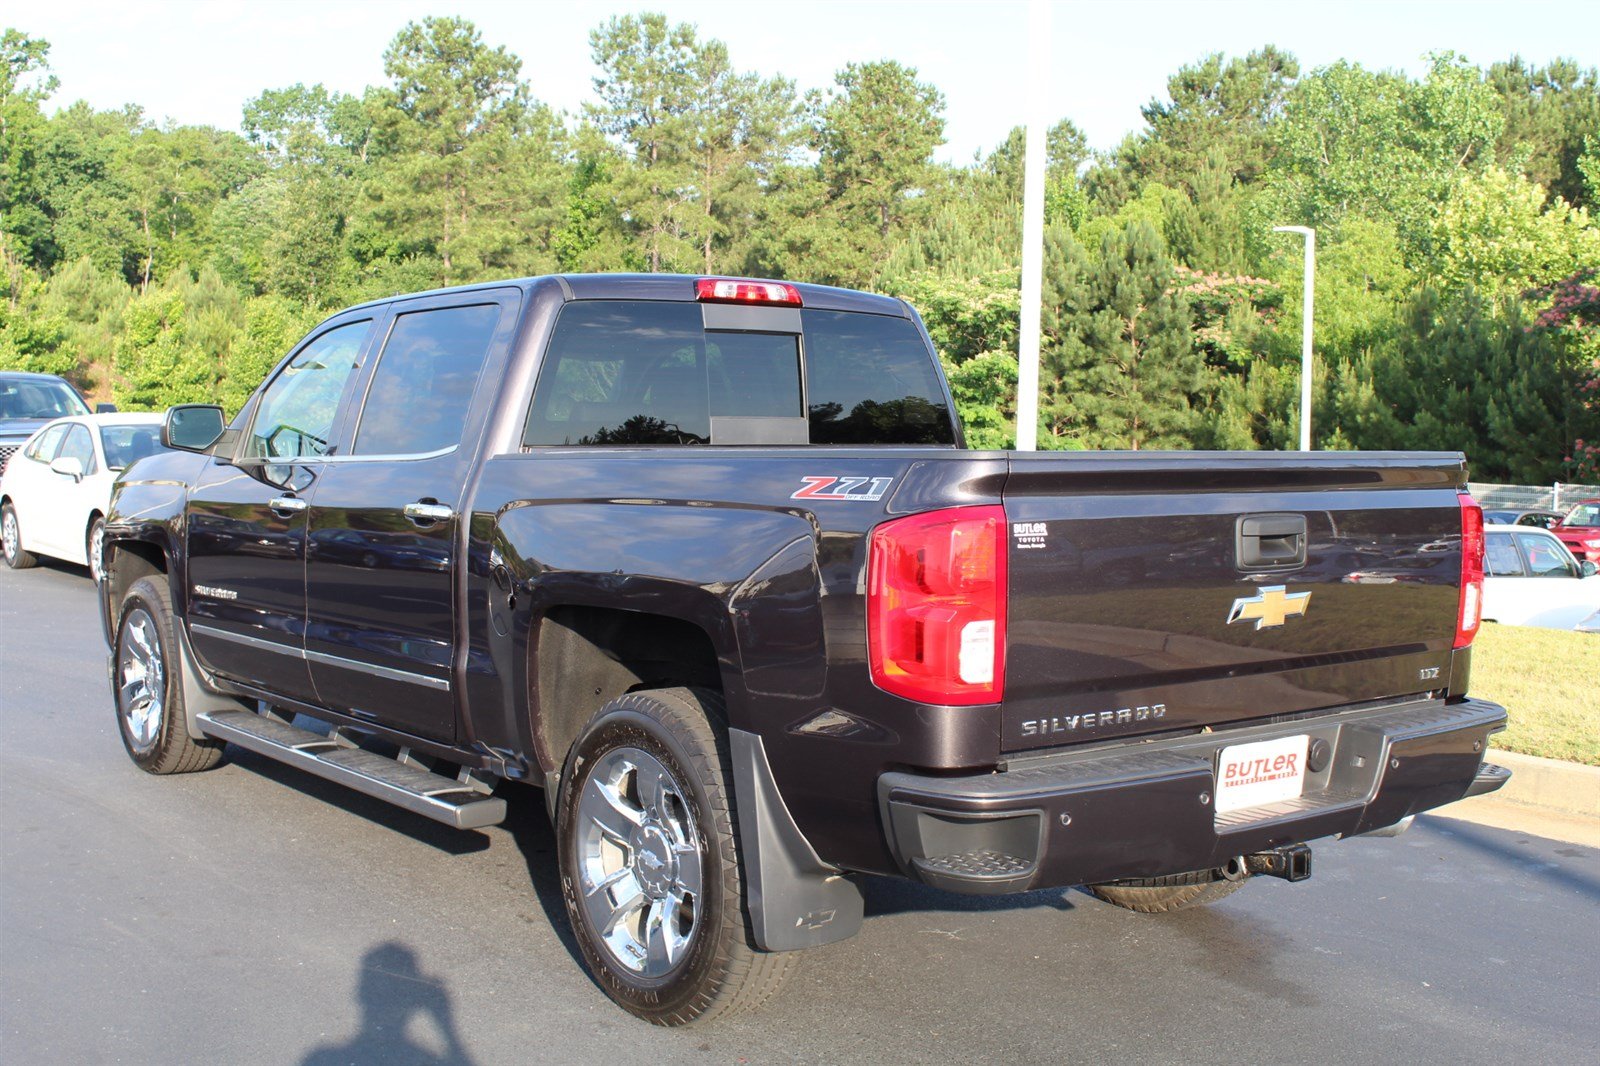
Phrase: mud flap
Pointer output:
(796, 900)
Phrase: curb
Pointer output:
(1548, 784)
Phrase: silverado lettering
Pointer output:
(1068, 723)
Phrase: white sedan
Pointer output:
(1531, 579)
(56, 488)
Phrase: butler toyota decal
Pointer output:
(1259, 771)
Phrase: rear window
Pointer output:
(649, 373)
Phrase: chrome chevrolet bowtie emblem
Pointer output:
(1269, 607)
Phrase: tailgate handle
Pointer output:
(1271, 541)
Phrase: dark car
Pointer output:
(1537, 519)
(28, 401)
(705, 559)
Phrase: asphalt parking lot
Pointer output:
(255, 914)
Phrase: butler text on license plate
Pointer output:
(1268, 771)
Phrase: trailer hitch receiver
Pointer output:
(1292, 862)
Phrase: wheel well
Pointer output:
(588, 656)
(127, 562)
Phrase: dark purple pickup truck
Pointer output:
(707, 561)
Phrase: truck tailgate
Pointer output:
(1158, 591)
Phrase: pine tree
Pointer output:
(1120, 366)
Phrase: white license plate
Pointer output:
(1268, 771)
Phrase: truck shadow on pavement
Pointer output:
(888, 895)
(397, 1000)
(1497, 843)
(535, 837)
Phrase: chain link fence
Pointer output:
(1557, 497)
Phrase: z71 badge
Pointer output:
(822, 487)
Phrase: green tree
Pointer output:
(1120, 369)
(875, 133)
(30, 337)
(466, 170)
(1500, 234)
(647, 102)
(985, 391)
(1354, 142)
(90, 302)
(1215, 107)
(25, 82)
(1549, 111)
(1466, 375)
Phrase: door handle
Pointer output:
(424, 512)
(1270, 542)
(287, 505)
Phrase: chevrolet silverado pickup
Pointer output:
(706, 560)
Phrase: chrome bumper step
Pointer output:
(454, 802)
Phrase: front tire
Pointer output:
(148, 685)
(17, 557)
(650, 864)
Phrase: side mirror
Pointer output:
(68, 466)
(192, 427)
(105, 408)
(1590, 568)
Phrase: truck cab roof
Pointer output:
(671, 287)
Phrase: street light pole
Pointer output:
(1305, 329)
(1033, 176)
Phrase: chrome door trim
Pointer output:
(388, 672)
(245, 639)
(325, 659)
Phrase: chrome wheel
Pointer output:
(639, 861)
(9, 536)
(97, 548)
(141, 680)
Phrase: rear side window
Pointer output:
(649, 373)
(79, 446)
(623, 372)
(425, 379)
(1500, 556)
(872, 382)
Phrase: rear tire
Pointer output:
(148, 686)
(1175, 892)
(650, 863)
(17, 558)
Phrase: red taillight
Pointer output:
(746, 291)
(1470, 613)
(936, 606)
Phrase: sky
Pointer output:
(199, 62)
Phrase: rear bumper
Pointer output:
(1144, 809)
